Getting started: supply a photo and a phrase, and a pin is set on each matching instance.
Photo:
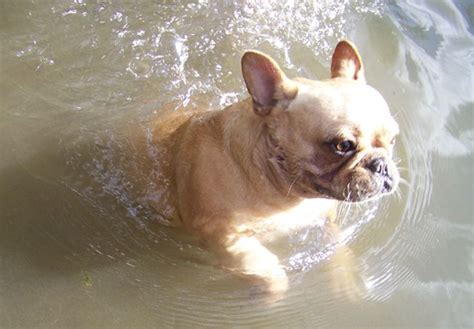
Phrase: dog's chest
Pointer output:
(310, 212)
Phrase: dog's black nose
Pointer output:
(379, 166)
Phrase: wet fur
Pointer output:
(266, 165)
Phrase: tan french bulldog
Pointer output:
(278, 160)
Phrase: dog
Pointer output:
(273, 162)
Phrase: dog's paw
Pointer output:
(276, 282)
(248, 258)
(346, 277)
(272, 288)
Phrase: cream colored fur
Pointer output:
(272, 163)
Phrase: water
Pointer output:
(79, 251)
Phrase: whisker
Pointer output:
(405, 183)
(346, 193)
(398, 195)
(396, 114)
(291, 185)
(344, 211)
(348, 210)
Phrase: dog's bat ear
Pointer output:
(346, 62)
(266, 82)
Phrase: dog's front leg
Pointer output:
(245, 256)
(346, 275)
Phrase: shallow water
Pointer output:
(78, 251)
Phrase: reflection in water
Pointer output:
(77, 247)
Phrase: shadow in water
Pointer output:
(58, 217)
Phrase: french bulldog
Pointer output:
(275, 161)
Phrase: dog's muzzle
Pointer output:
(376, 175)
(381, 169)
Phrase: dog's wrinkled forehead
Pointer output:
(345, 102)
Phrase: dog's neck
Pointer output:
(245, 131)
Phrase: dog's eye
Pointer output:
(344, 147)
(392, 142)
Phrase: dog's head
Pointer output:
(331, 138)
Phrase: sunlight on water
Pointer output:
(80, 247)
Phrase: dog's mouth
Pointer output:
(325, 192)
(369, 189)
(355, 185)
(356, 190)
